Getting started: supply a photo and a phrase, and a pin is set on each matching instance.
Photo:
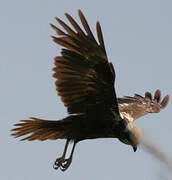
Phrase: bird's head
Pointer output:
(132, 136)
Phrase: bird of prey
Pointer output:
(85, 82)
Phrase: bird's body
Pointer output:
(85, 81)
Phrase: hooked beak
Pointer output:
(134, 148)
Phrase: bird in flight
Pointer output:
(85, 82)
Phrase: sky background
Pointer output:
(138, 40)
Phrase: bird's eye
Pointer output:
(125, 138)
(125, 141)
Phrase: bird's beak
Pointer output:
(134, 148)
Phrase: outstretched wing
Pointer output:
(84, 75)
(132, 108)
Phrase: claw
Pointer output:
(62, 163)
(66, 163)
(58, 163)
(55, 166)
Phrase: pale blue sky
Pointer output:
(138, 40)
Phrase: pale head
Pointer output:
(135, 135)
(132, 135)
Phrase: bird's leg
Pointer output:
(59, 161)
(66, 163)
(62, 162)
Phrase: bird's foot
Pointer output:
(66, 163)
(58, 163)
(62, 163)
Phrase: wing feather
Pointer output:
(137, 106)
(85, 25)
(84, 75)
(100, 36)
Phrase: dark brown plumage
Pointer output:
(85, 82)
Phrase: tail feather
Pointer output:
(38, 129)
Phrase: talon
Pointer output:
(58, 163)
(55, 166)
(66, 163)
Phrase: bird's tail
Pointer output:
(39, 129)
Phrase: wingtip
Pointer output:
(80, 12)
(148, 95)
(98, 23)
(165, 101)
(53, 37)
(81, 15)
(57, 19)
(98, 27)
(57, 30)
(157, 95)
(67, 15)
